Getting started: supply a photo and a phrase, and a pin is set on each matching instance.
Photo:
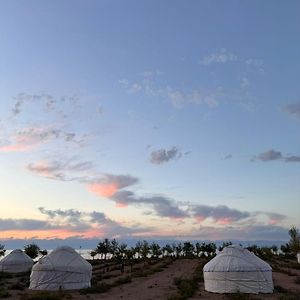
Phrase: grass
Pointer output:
(297, 280)
(17, 286)
(96, 289)
(4, 276)
(187, 287)
(280, 289)
(238, 296)
(46, 296)
(4, 293)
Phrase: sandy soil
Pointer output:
(155, 286)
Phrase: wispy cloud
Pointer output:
(162, 206)
(273, 155)
(219, 57)
(29, 138)
(220, 214)
(108, 185)
(254, 62)
(161, 156)
(67, 223)
(64, 170)
(293, 110)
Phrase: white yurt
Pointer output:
(236, 269)
(15, 262)
(63, 269)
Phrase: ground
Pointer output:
(152, 281)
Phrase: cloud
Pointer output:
(161, 156)
(162, 206)
(107, 185)
(228, 156)
(293, 158)
(269, 155)
(68, 223)
(25, 224)
(28, 139)
(274, 218)
(104, 185)
(209, 98)
(49, 102)
(222, 214)
(220, 57)
(254, 62)
(272, 155)
(250, 232)
(293, 110)
(60, 169)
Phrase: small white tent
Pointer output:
(15, 262)
(236, 269)
(298, 257)
(63, 268)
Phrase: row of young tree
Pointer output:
(112, 249)
(32, 250)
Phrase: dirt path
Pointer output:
(153, 287)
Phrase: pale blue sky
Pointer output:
(194, 107)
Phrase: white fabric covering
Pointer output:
(63, 268)
(15, 262)
(298, 258)
(236, 269)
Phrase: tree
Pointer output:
(2, 250)
(43, 252)
(114, 245)
(32, 250)
(145, 251)
(294, 242)
(188, 249)
(93, 253)
(178, 250)
(129, 254)
(103, 248)
(168, 249)
(155, 250)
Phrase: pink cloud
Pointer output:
(28, 139)
(103, 189)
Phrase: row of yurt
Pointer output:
(16, 261)
(237, 270)
(63, 269)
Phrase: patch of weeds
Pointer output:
(4, 293)
(186, 288)
(96, 289)
(17, 286)
(46, 296)
(4, 275)
(122, 280)
(290, 296)
(238, 296)
(280, 289)
(297, 280)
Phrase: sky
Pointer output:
(149, 119)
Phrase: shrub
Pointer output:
(46, 296)
(4, 293)
(96, 289)
(280, 289)
(297, 280)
